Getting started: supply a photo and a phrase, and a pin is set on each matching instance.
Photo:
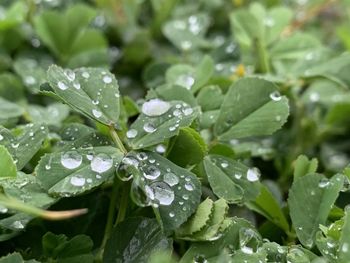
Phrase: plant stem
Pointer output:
(264, 64)
(117, 140)
(123, 204)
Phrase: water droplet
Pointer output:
(177, 113)
(29, 80)
(162, 193)
(278, 118)
(14, 145)
(171, 179)
(17, 225)
(188, 111)
(62, 86)
(238, 176)
(151, 172)
(149, 128)
(186, 45)
(101, 163)
(185, 197)
(69, 74)
(95, 102)
(189, 187)
(253, 174)
(160, 148)
(71, 159)
(185, 80)
(224, 164)
(107, 79)
(142, 156)
(76, 85)
(155, 107)
(345, 247)
(96, 113)
(1, 137)
(269, 22)
(275, 96)
(247, 250)
(230, 48)
(3, 209)
(132, 133)
(77, 181)
(314, 96)
(85, 75)
(171, 214)
(323, 183)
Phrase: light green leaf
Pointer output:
(159, 121)
(77, 171)
(7, 166)
(231, 179)
(91, 91)
(266, 205)
(344, 241)
(173, 192)
(187, 34)
(210, 98)
(9, 110)
(252, 107)
(53, 114)
(198, 220)
(320, 194)
(304, 166)
(23, 142)
(141, 238)
(188, 148)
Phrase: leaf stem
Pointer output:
(117, 140)
(264, 64)
(123, 204)
(12, 203)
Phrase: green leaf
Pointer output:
(9, 110)
(7, 166)
(188, 148)
(90, 91)
(187, 34)
(191, 78)
(198, 220)
(210, 98)
(211, 230)
(66, 33)
(175, 92)
(304, 166)
(266, 205)
(59, 248)
(15, 258)
(53, 114)
(173, 192)
(344, 241)
(231, 180)
(159, 121)
(252, 107)
(23, 142)
(141, 238)
(77, 171)
(11, 87)
(320, 194)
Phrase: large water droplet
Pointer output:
(162, 193)
(151, 172)
(62, 86)
(186, 81)
(155, 107)
(71, 159)
(132, 133)
(189, 187)
(101, 163)
(253, 174)
(323, 183)
(77, 181)
(171, 179)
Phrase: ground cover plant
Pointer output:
(174, 131)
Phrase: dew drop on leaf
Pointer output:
(162, 193)
(171, 179)
(77, 181)
(323, 183)
(1, 137)
(275, 96)
(71, 159)
(186, 81)
(132, 133)
(96, 113)
(101, 163)
(160, 148)
(155, 107)
(189, 187)
(149, 128)
(107, 79)
(151, 172)
(62, 86)
(253, 174)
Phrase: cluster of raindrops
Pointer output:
(252, 174)
(99, 163)
(155, 108)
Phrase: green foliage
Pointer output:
(169, 131)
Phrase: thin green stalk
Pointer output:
(117, 140)
(12, 203)
(123, 203)
(264, 63)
